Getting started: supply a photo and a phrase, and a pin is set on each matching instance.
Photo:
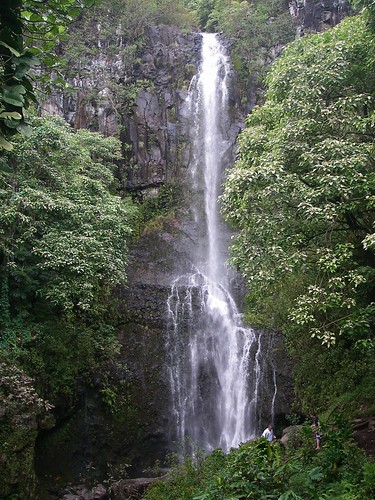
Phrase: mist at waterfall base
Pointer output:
(215, 363)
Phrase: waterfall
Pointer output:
(214, 369)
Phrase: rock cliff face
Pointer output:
(317, 15)
(156, 129)
(142, 104)
(151, 120)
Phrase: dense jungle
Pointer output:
(101, 215)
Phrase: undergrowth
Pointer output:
(262, 470)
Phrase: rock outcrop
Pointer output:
(364, 434)
(142, 105)
(127, 489)
(317, 15)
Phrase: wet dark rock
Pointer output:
(99, 493)
(364, 434)
(79, 492)
(317, 15)
(132, 488)
(291, 436)
(154, 126)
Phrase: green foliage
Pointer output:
(259, 469)
(116, 395)
(28, 32)
(369, 478)
(60, 216)
(338, 377)
(368, 7)
(63, 247)
(257, 30)
(186, 478)
(21, 408)
(61, 354)
(17, 393)
(202, 8)
(301, 191)
(302, 196)
(160, 203)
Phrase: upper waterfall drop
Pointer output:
(213, 82)
(214, 367)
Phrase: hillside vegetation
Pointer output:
(300, 198)
(262, 470)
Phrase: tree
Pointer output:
(302, 190)
(369, 11)
(64, 235)
(29, 31)
(63, 230)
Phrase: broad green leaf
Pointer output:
(10, 48)
(12, 124)
(25, 129)
(18, 89)
(22, 70)
(5, 144)
(13, 98)
(36, 18)
(10, 114)
(74, 12)
(29, 59)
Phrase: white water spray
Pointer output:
(214, 369)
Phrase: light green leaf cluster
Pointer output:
(29, 31)
(60, 216)
(302, 190)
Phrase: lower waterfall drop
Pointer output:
(213, 368)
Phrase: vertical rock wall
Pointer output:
(155, 129)
(317, 15)
(141, 105)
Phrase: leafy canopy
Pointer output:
(302, 190)
(368, 7)
(63, 229)
(29, 31)
(64, 236)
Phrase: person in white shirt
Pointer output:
(268, 433)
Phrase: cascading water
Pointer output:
(214, 361)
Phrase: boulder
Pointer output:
(291, 436)
(127, 489)
(364, 434)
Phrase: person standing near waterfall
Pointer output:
(268, 433)
(316, 426)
